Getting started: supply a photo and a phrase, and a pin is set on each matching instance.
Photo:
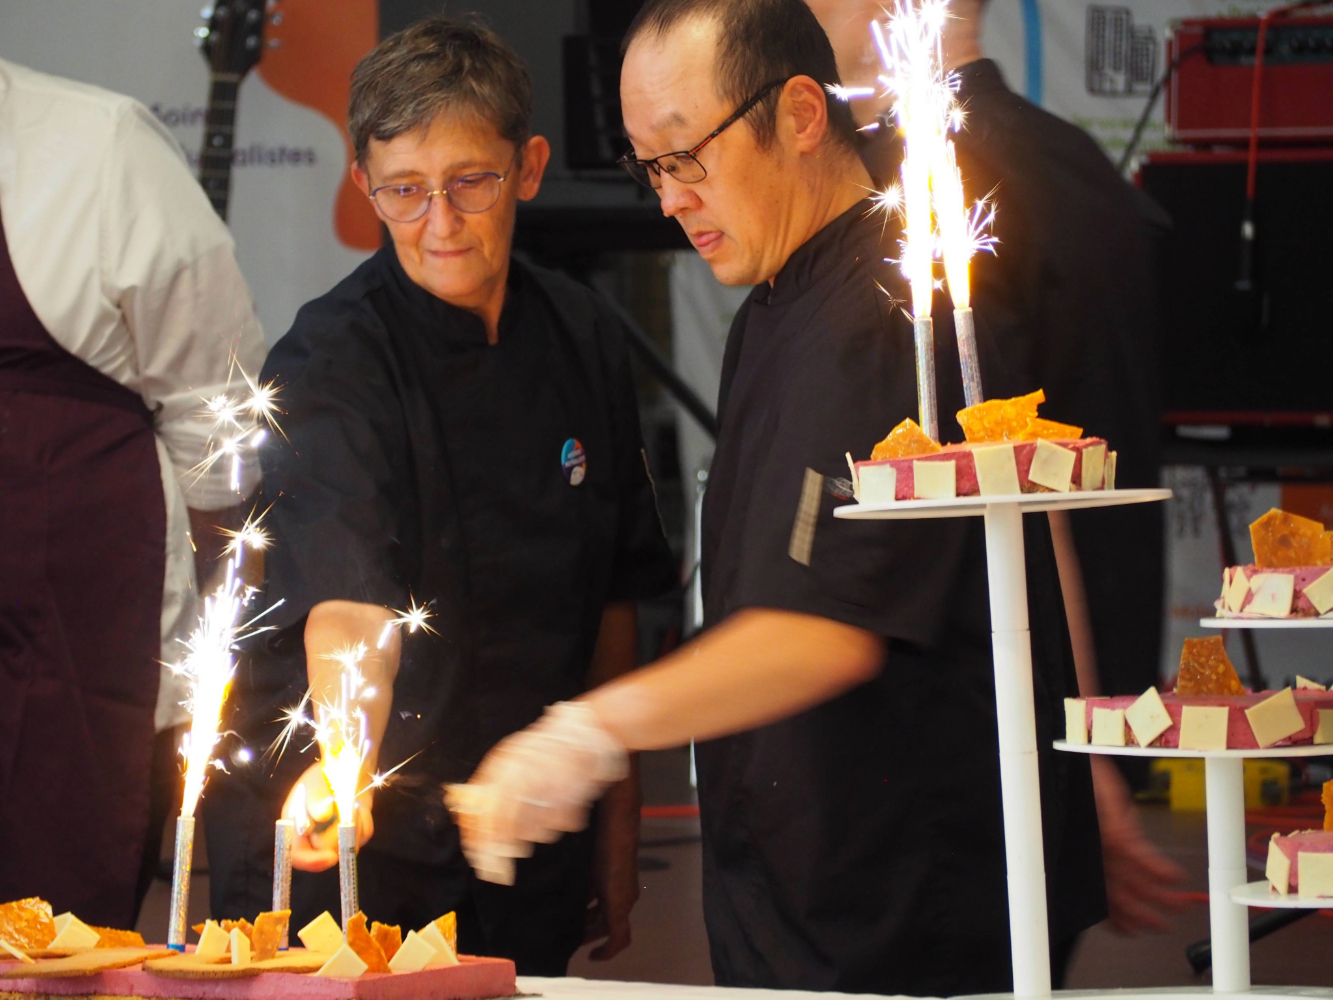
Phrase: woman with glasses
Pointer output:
(461, 431)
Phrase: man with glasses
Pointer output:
(849, 784)
(461, 431)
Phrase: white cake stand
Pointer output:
(1229, 888)
(1278, 623)
(1006, 568)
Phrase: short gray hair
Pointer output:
(438, 64)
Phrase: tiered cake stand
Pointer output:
(1011, 644)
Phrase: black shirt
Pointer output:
(1070, 302)
(858, 846)
(419, 462)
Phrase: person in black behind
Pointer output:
(459, 429)
(1070, 300)
(849, 787)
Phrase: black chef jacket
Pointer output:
(1070, 298)
(506, 484)
(859, 846)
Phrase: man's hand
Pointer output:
(1139, 879)
(310, 804)
(615, 869)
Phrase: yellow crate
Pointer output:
(1267, 782)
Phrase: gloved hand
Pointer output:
(535, 786)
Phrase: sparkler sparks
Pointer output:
(849, 93)
(413, 618)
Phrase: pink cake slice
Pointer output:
(1301, 607)
(1239, 734)
(965, 470)
(472, 979)
(1305, 842)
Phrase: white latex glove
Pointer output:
(535, 786)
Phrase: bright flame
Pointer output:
(848, 93)
(342, 731)
(910, 49)
(962, 232)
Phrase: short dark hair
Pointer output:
(438, 64)
(758, 42)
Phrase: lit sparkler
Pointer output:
(412, 619)
(209, 662)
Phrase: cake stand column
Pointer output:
(1224, 779)
(1020, 786)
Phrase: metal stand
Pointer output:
(1224, 785)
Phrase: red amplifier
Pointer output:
(1208, 95)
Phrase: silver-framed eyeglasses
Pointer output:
(683, 164)
(471, 193)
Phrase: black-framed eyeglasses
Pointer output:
(471, 193)
(683, 165)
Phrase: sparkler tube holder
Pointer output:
(284, 834)
(964, 325)
(347, 891)
(923, 327)
(181, 870)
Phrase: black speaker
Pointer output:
(1262, 357)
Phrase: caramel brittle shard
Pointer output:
(266, 936)
(1206, 669)
(27, 924)
(907, 440)
(1051, 430)
(1000, 419)
(1327, 799)
(448, 925)
(365, 946)
(389, 937)
(1281, 539)
(110, 937)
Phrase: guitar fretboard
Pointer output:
(219, 137)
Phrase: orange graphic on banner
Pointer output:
(318, 44)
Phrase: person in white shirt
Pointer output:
(121, 310)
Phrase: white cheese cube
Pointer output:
(240, 947)
(1108, 475)
(1315, 870)
(443, 959)
(322, 934)
(413, 955)
(343, 964)
(856, 480)
(1278, 868)
(1148, 717)
(1052, 466)
(935, 480)
(214, 942)
(1305, 684)
(1108, 727)
(997, 470)
(72, 934)
(878, 483)
(1094, 466)
(1275, 718)
(434, 937)
(1204, 727)
(1320, 593)
(1324, 732)
(1237, 590)
(1076, 722)
(1273, 593)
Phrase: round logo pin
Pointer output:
(573, 462)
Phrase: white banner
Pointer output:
(299, 224)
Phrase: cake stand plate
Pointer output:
(1176, 993)
(1304, 750)
(1266, 622)
(976, 506)
(1260, 894)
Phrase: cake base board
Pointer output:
(473, 978)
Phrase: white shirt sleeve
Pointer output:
(169, 266)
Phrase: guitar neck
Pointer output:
(219, 137)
